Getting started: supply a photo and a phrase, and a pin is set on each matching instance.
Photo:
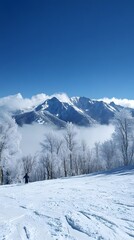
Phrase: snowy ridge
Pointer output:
(96, 206)
(17, 102)
(81, 111)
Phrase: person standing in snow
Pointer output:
(26, 178)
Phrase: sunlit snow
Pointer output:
(78, 208)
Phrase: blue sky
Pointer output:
(81, 47)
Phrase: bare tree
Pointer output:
(47, 166)
(28, 162)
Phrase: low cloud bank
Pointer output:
(32, 135)
(98, 133)
(122, 102)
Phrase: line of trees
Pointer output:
(9, 149)
(63, 154)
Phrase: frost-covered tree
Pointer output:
(71, 145)
(9, 148)
(50, 157)
(98, 164)
(124, 135)
(108, 154)
(84, 158)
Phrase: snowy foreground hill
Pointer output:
(97, 206)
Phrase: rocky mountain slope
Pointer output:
(81, 111)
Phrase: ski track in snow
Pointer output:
(79, 208)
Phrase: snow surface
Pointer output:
(97, 206)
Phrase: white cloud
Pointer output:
(97, 133)
(62, 97)
(122, 102)
(16, 102)
(32, 135)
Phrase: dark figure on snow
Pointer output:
(26, 178)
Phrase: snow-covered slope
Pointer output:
(98, 110)
(65, 111)
(78, 208)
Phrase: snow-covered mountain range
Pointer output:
(59, 109)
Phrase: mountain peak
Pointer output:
(62, 97)
(59, 109)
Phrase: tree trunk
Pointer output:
(1, 176)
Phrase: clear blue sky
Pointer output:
(81, 47)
